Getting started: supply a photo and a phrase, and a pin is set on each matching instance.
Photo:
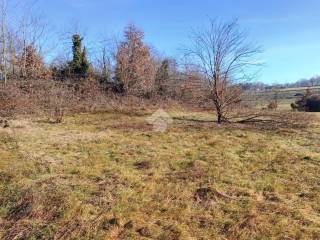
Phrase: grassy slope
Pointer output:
(109, 176)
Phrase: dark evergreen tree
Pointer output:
(84, 69)
(79, 64)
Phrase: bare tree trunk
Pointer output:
(219, 117)
(104, 63)
(24, 46)
(12, 55)
(4, 40)
(24, 59)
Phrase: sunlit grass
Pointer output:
(109, 176)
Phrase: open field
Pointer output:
(285, 97)
(140, 120)
(109, 176)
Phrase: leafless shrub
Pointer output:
(273, 105)
(57, 116)
(8, 100)
(54, 100)
(48, 97)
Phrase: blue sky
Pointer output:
(288, 30)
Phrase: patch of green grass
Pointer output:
(109, 176)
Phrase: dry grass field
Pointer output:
(109, 176)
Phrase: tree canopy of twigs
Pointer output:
(225, 58)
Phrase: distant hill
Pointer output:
(312, 82)
(259, 86)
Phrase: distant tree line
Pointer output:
(256, 86)
(312, 82)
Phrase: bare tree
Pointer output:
(135, 68)
(105, 63)
(4, 27)
(12, 53)
(31, 32)
(224, 56)
(103, 60)
(17, 33)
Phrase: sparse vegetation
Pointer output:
(273, 105)
(109, 176)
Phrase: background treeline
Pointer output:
(42, 70)
(126, 65)
(312, 82)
